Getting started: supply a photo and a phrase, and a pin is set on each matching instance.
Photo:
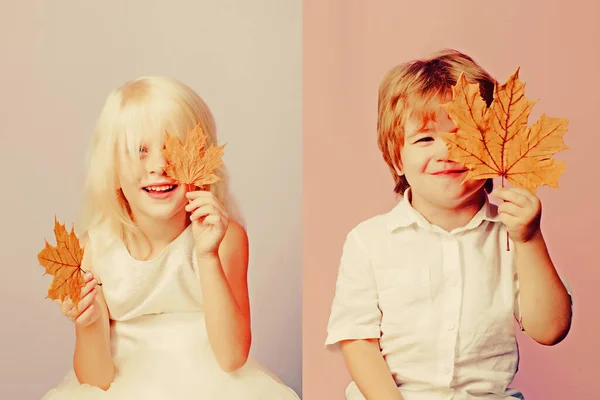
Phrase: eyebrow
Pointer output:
(425, 129)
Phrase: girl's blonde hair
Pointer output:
(413, 90)
(142, 108)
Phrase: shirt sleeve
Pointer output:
(355, 310)
(518, 299)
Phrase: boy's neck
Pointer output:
(452, 217)
(156, 235)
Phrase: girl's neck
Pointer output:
(154, 235)
(449, 218)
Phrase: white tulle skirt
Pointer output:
(168, 356)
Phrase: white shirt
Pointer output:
(443, 304)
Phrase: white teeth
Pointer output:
(160, 188)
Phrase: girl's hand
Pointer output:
(87, 311)
(521, 213)
(209, 222)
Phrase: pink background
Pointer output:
(59, 61)
(348, 46)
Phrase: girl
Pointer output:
(172, 317)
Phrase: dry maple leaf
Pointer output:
(63, 261)
(496, 141)
(191, 162)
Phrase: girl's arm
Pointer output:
(92, 360)
(369, 370)
(224, 286)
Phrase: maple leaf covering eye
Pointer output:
(496, 141)
(193, 161)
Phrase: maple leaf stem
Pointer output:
(507, 236)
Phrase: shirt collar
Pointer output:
(404, 215)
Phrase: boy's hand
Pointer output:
(520, 212)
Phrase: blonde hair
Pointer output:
(142, 107)
(413, 90)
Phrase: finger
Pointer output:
(87, 276)
(197, 203)
(212, 220)
(202, 201)
(207, 197)
(84, 303)
(532, 198)
(511, 195)
(195, 194)
(88, 287)
(510, 209)
(66, 305)
(509, 220)
(84, 317)
(202, 212)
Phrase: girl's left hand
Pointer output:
(520, 212)
(209, 221)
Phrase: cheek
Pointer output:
(129, 181)
(474, 185)
(415, 161)
(130, 171)
(180, 195)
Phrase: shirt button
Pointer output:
(451, 327)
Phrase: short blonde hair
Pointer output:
(145, 106)
(412, 90)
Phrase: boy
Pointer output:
(426, 294)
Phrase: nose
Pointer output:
(441, 151)
(155, 162)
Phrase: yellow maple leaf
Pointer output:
(63, 261)
(191, 162)
(496, 141)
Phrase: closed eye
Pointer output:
(425, 139)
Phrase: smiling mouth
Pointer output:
(451, 172)
(160, 188)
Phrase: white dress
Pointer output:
(158, 335)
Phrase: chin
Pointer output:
(468, 193)
(164, 212)
(456, 195)
(164, 216)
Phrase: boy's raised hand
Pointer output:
(520, 212)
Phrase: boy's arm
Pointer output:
(355, 322)
(544, 303)
(369, 370)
